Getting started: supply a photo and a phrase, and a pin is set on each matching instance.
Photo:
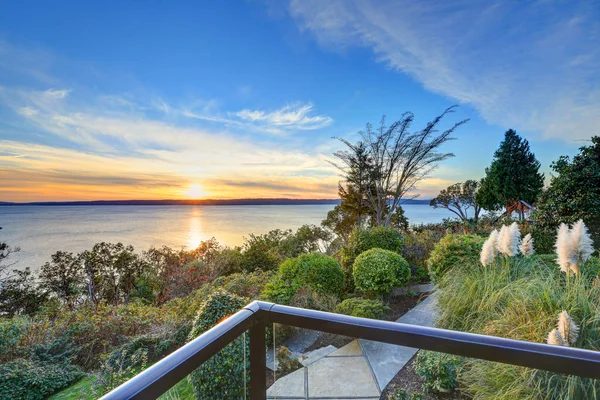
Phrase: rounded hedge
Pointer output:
(453, 250)
(361, 240)
(362, 308)
(315, 270)
(222, 376)
(379, 271)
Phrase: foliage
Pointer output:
(379, 271)
(451, 251)
(62, 276)
(438, 370)
(362, 240)
(574, 192)
(12, 332)
(29, 379)
(513, 175)
(307, 297)
(120, 367)
(520, 298)
(400, 394)
(285, 362)
(247, 285)
(390, 160)
(317, 271)
(20, 294)
(363, 308)
(221, 377)
(419, 275)
(459, 198)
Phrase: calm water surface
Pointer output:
(42, 230)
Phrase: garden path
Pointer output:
(359, 370)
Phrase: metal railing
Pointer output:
(163, 375)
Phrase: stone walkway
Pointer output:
(359, 370)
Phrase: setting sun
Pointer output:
(195, 191)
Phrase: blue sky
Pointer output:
(241, 99)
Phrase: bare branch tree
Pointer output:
(399, 159)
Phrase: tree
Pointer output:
(62, 276)
(20, 294)
(513, 175)
(459, 198)
(574, 192)
(398, 160)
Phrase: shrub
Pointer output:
(222, 376)
(438, 370)
(400, 394)
(362, 240)
(11, 334)
(307, 297)
(248, 285)
(28, 379)
(317, 271)
(363, 308)
(419, 275)
(285, 362)
(380, 271)
(451, 251)
(121, 366)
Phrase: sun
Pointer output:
(195, 191)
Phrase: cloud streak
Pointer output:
(530, 65)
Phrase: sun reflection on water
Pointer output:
(195, 234)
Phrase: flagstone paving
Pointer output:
(359, 370)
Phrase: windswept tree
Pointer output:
(398, 159)
(459, 198)
(513, 175)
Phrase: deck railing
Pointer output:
(163, 375)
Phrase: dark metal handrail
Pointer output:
(166, 373)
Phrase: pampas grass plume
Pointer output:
(526, 246)
(567, 328)
(488, 251)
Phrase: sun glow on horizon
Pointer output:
(195, 191)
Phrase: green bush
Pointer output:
(363, 308)
(438, 370)
(222, 376)
(453, 250)
(362, 240)
(11, 334)
(28, 379)
(400, 394)
(316, 270)
(379, 271)
(521, 298)
(247, 285)
(419, 275)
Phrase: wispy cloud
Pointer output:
(529, 65)
(290, 117)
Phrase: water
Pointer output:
(42, 230)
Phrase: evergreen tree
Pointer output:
(514, 175)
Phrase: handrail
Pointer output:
(157, 379)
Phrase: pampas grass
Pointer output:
(526, 246)
(573, 247)
(508, 240)
(567, 328)
(488, 251)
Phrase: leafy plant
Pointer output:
(453, 251)
(363, 308)
(438, 370)
(379, 271)
(120, 366)
(285, 362)
(401, 394)
(362, 240)
(316, 270)
(28, 379)
(222, 376)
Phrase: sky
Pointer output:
(243, 99)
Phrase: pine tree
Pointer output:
(513, 175)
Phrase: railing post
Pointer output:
(258, 362)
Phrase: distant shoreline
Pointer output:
(207, 202)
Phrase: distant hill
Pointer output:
(207, 202)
